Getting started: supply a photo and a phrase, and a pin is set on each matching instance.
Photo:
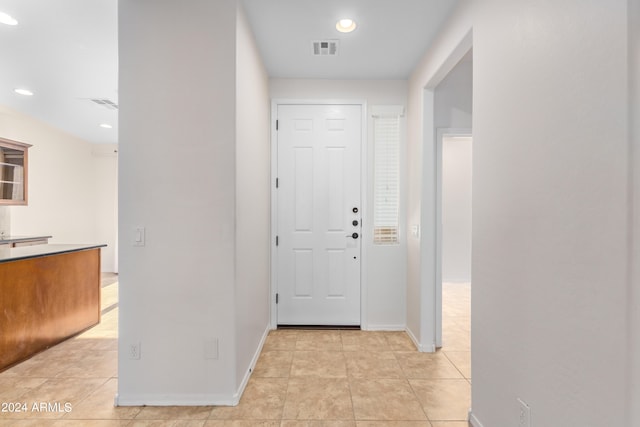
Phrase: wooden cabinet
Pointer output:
(48, 294)
(13, 172)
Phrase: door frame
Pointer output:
(275, 103)
(441, 134)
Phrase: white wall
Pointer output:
(453, 100)
(634, 300)
(453, 110)
(550, 206)
(65, 187)
(177, 178)
(194, 171)
(105, 170)
(385, 266)
(252, 198)
(456, 209)
(5, 220)
(414, 186)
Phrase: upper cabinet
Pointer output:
(13, 172)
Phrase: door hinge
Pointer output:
(277, 182)
(277, 299)
(277, 124)
(277, 240)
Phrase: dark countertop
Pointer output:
(36, 251)
(13, 239)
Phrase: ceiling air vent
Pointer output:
(325, 47)
(106, 103)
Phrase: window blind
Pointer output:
(386, 178)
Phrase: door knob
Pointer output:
(355, 210)
(355, 223)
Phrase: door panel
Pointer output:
(303, 185)
(318, 260)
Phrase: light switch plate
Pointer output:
(139, 236)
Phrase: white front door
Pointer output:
(318, 214)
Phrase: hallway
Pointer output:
(372, 378)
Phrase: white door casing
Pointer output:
(319, 187)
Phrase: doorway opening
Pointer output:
(447, 102)
(454, 194)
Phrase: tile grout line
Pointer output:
(64, 417)
(348, 378)
(289, 376)
(407, 379)
(454, 364)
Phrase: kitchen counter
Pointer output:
(26, 252)
(48, 293)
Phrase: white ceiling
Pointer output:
(65, 51)
(390, 38)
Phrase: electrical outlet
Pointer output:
(134, 351)
(211, 349)
(525, 414)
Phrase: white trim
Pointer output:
(177, 400)
(392, 328)
(441, 133)
(473, 420)
(431, 348)
(415, 341)
(364, 155)
(273, 312)
(252, 366)
(363, 198)
(427, 223)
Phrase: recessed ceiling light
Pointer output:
(25, 92)
(346, 25)
(7, 19)
(106, 126)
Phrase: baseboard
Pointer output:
(413, 338)
(176, 400)
(421, 348)
(391, 328)
(427, 348)
(473, 420)
(252, 366)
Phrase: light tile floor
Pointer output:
(302, 379)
